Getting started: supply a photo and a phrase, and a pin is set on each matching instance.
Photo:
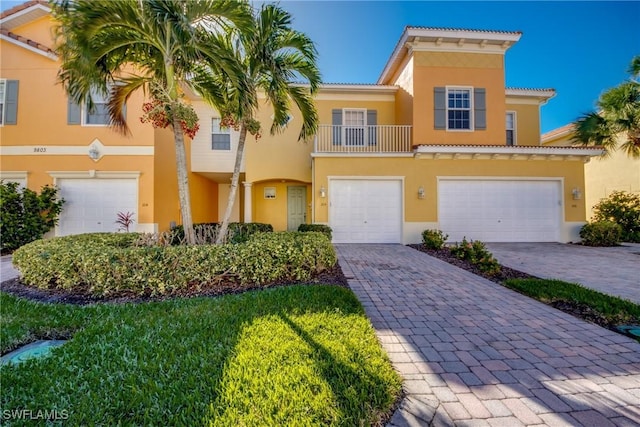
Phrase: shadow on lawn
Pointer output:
(291, 355)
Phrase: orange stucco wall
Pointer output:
(425, 172)
(204, 192)
(440, 69)
(527, 123)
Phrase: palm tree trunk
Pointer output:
(183, 182)
(222, 232)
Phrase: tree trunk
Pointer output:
(183, 182)
(222, 231)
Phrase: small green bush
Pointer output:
(477, 254)
(207, 232)
(320, 228)
(623, 208)
(112, 263)
(601, 233)
(25, 215)
(434, 239)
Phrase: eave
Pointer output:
(23, 14)
(417, 38)
(502, 152)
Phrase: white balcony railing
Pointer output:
(363, 139)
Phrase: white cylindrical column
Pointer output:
(248, 196)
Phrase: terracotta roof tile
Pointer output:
(27, 41)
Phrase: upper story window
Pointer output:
(99, 114)
(511, 127)
(459, 109)
(354, 122)
(220, 135)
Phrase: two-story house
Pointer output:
(437, 142)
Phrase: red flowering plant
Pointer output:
(159, 114)
(253, 126)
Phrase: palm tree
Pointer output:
(275, 59)
(618, 114)
(119, 46)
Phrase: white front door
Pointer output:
(92, 204)
(365, 210)
(500, 210)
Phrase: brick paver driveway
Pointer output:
(614, 271)
(475, 353)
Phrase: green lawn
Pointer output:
(302, 355)
(615, 310)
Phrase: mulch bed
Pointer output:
(82, 296)
(578, 310)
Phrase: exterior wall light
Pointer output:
(323, 192)
(421, 192)
(576, 193)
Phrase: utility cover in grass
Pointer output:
(36, 349)
(632, 330)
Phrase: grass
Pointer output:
(301, 355)
(615, 310)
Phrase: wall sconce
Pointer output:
(576, 193)
(94, 153)
(323, 192)
(421, 192)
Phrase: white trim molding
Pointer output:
(10, 175)
(491, 152)
(28, 47)
(76, 150)
(94, 174)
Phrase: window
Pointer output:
(2, 90)
(459, 109)
(354, 122)
(511, 127)
(99, 114)
(220, 136)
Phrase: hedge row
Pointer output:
(110, 264)
(207, 232)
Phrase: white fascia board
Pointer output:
(28, 47)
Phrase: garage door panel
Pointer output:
(499, 211)
(92, 205)
(366, 211)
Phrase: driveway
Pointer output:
(613, 271)
(7, 271)
(475, 353)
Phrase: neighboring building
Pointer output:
(602, 175)
(437, 142)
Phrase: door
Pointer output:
(500, 210)
(296, 207)
(92, 204)
(365, 210)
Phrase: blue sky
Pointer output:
(578, 48)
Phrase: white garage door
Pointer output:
(92, 205)
(365, 211)
(500, 211)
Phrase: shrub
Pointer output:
(434, 239)
(110, 263)
(624, 209)
(477, 254)
(206, 233)
(25, 215)
(601, 233)
(320, 228)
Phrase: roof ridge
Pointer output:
(421, 27)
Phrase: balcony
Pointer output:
(363, 139)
